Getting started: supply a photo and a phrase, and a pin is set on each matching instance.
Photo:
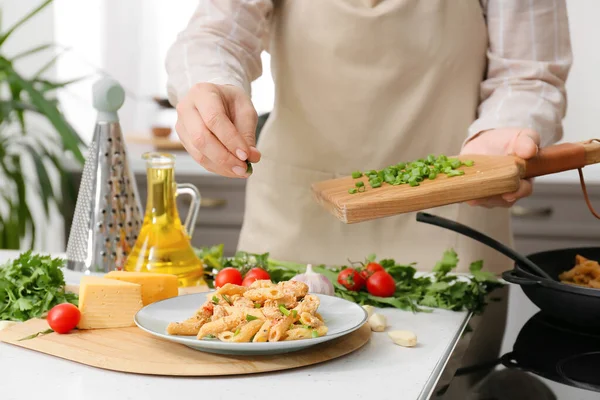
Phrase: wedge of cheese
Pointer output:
(108, 303)
(155, 286)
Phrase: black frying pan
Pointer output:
(572, 304)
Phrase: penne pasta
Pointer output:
(263, 333)
(220, 325)
(247, 331)
(310, 320)
(263, 294)
(230, 289)
(189, 327)
(278, 331)
(263, 312)
(298, 333)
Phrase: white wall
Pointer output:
(583, 85)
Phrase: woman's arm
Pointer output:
(529, 59)
(221, 44)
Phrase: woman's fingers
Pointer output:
(198, 151)
(210, 103)
(245, 119)
(208, 133)
(505, 200)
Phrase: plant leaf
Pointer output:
(45, 185)
(71, 139)
(26, 18)
(32, 51)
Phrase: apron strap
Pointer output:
(584, 189)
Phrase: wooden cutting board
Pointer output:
(490, 176)
(135, 351)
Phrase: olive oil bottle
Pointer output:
(163, 242)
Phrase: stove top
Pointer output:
(564, 354)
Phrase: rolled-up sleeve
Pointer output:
(529, 58)
(221, 44)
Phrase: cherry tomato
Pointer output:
(370, 269)
(64, 317)
(258, 273)
(249, 280)
(228, 275)
(381, 284)
(351, 279)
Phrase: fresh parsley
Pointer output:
(417, 293)
(31, 285)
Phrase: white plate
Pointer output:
(341, 317)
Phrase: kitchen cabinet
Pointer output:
(554, 216)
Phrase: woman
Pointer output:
(362, 84)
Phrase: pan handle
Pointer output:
(512, 277)
(508, 360)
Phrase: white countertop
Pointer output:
(379, 370)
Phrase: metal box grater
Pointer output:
(108, 213)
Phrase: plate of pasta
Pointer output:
(264, 318)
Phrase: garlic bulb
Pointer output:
(317, 283)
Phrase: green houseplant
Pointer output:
(24, 147)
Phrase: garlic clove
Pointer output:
(403, 338)
(370, 310)
(377, 322)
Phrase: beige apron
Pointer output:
(363, 84)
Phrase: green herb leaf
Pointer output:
(284, 310)
(47, 331)
(30, 286)
(215, 300)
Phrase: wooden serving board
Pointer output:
(490, 176)
(135, 351)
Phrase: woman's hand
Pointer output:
(522, 143)
(217, 126)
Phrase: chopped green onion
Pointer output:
(256, 305)
(250, 317)
(209, 337)
(455, 172)
(315, 334)
(359, 184)
(215, 300)
(469, 163)
(353, 190)
(284, 310)
(294, 313)
(227, 299)
(356, 174)
(307, 327)
(237, 332)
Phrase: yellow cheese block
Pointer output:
(155, 286)
(108, 303)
